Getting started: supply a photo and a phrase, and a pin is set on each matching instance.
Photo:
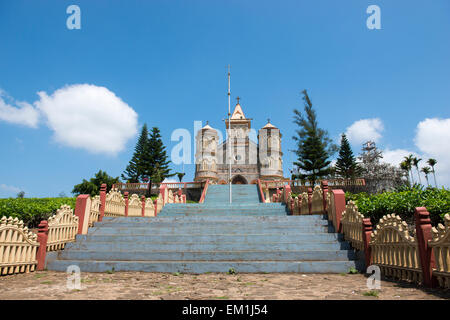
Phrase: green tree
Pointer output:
(136, 168)
(404, 167)
(157, 165)
(180, 175)
(415, 162)
(432, 162)
(426, 171)
(92, 187)
(314, 147)
(409, 163)
(346, 165)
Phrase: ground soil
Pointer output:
(137, 286)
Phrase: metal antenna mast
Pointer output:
(229, 131)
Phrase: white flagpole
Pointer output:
(229, 130)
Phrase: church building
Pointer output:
(250, 161)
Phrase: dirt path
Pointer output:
(137, 285)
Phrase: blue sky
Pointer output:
(164, 63)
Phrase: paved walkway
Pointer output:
(137, 285)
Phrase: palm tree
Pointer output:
(409, 161)
(432, 162)
(426, 171)
(416, 164)
(404, 166)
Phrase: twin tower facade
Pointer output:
(249, 161)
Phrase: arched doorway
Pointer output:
(239, 180)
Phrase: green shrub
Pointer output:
(32, 210)
(403, 203)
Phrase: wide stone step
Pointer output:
(206, 246)
(195, 229)
(251, 225)
(316, 255)
(206, 266)
(236, 219)
(189, 238)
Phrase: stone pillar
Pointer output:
(310, 191)
(102, 201)
(367, 231)
(423, 235)
(143, 205)
(324, 195)
(82, 211)
(42, 238)
(125, 195)
(339, 207)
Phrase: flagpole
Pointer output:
(229, 130)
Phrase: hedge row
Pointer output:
(32, 210)
(403, 203)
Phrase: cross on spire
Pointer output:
(238, 98)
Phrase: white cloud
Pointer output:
(364, 130)
(432, 138)
(88, 117)
(9, 189)
(396, 156)
(20, 113)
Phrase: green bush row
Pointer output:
(403, 203)
(32, 210)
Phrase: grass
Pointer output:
(110, 271)
(231, 271)
(223, 298)
(176, 274)
(353, 271)
(371, 293)
(46, 282)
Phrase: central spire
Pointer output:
(238, 114)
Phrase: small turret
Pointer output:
(270, 155)
(206, 154)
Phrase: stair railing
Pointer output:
(261, 191)
(205, 189)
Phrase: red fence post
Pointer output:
(287, 192)
(339, 207)
(324, 195)
(423, 234)
(102, 201)
(143, 205)
(125, 195)
(162, 189)
(42, 238)
(310, 200)
(82, 211)
(367, 231)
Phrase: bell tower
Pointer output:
(206, 154)
(270, 155)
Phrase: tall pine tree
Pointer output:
(158, 164)
(314, 147)
(136, 168)
(346, 165)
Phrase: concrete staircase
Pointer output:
(215, 236)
